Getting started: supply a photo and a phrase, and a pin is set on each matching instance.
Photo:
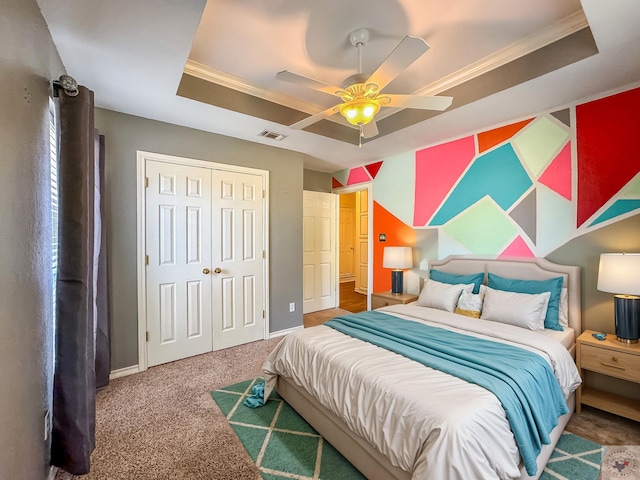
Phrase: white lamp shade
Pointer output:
(619, 273)
(397, 257)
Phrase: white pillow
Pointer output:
(563, 309)
(519, 309)
(442, 296)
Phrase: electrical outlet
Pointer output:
(47, 424)
(292, 307)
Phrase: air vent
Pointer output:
(272, 135)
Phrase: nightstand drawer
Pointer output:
(377, 302)
(616, 364)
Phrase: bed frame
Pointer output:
(365, 457)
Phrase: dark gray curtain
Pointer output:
(80, 280)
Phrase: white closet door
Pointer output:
(238, 259)
(178, 236)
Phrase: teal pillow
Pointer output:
(553, 286)
(453, 279)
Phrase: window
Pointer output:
(53, 172)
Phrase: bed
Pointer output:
(393, 418)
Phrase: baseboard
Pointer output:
(123, 372)
(282, 333)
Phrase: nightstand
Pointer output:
(614, 359)
(382, 299)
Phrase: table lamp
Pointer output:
(397, 258)
(619, 273)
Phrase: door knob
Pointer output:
(206, 271)
(217, 270)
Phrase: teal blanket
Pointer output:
(522, 380)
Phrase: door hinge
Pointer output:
(264, 194)
(146, 259)
(146, 182)
(264, 254)
(147, 336)
(263, 314)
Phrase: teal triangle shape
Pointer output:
(620, 207)
(480, 181)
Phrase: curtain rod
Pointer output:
(66, 83)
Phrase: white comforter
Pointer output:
(426, 422)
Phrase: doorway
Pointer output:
(354, 248)
(202, 243)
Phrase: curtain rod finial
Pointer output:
(66, 83)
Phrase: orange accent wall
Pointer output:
(491, 138)
(398, 233)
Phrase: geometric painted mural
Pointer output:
(437, 171)
(480, 180)
(608, 147)
(523, 189)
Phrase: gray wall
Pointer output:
(622, 236)
(28, 60)
(317, 181)
(124, 135)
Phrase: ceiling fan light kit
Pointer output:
(360, 93)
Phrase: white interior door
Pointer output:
(178, 235)
(319, 251)
(238, 259)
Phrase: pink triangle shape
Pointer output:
(358, 175)
(373, 168)
(557, 176)
(518, 248)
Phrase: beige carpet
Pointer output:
(163, 424)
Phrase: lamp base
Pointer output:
(627, 318)
(396, 282)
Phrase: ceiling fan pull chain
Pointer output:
(361, 135)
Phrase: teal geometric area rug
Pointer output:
(284, 446)
(574, 458)
(280, 442)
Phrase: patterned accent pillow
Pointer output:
(470, 304)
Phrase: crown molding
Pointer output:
(565, 27)
(209, 74)
(569, 25)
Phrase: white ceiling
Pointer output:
(133, 55)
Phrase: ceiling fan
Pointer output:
(360, 94)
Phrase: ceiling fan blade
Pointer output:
(407, 52)
(307, 82)
(370, 129)
(424, 102)
(315, 118)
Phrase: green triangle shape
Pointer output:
(333, 465)
(251, 438)
(262, 416)
(290, 420)
(593, 457)
(226, 401)
(574, 444)
(574, 468)
(633, 188)
(291, 453)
